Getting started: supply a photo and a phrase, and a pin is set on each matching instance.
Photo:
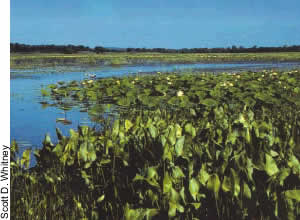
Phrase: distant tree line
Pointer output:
(68, 49)
(233, 49)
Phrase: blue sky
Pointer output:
(156, 23)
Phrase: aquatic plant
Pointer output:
(216, 151)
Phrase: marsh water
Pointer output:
(30, 120)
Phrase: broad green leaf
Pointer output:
(108, 145)
(180, 208)
(86, 177)
(73, 135)
(115, 130)
(247, 191)
(271, 167)
(128, 125)
(247, 135)
(172, 136)
(289, 209)
(48, 178)
(122, 137)
(153, 131)
(177, 173)
(152, 173)
(284, 173)
(196, 205)
(182, 194)
(209, 102)
(131, 214)
(235, 181)
(45, 92)
(172, 209)
(101, 198)
(138, 177)
(179, 146)
(92, 156)
(58, 149)
(273, 153)
(226, 184)
(167, 183)
(174, 196)
(213, 184)
(124, 101)
(167, 152)
(294, 163)
(47, 141)
(26, 158)
(188, 128)
(149, 213)
(152, 195)
(203, 175)
(178, 130)
(84, 130)
(163, 140)
(193, 112)
(293, 194)
(194, 188)
(83, 151)
(249, 168)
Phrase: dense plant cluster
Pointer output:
(187, 146)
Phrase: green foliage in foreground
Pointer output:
(219, 151)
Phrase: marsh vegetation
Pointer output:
(170, 146)
(34, 60)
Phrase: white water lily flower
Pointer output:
(118, 82)
(90, 81)
(180, 93)
(132, 82)
(223, 84)
(168, 78)
(170, 83)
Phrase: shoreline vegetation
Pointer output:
(39, 60)
(177, 146)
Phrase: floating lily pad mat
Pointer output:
(188, 146)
